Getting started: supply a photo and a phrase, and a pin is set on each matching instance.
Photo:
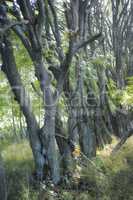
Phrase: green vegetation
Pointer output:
(66, 99)
(105, 177)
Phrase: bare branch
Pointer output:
(41, 16)
(122, 141)
(56, 31)
(85, 43)
(18, 30)
(11, 25)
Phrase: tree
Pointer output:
(29, 25)
(76, 52)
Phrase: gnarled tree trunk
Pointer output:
(10, 70)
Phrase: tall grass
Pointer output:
(108, 178)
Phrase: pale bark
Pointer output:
(10, 70)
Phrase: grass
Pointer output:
(106, 178)
(19, 166)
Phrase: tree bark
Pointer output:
(10, 70)
(3, 185)
(48, 130)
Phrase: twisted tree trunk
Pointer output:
(20, 94)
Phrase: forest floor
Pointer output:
(105, 178)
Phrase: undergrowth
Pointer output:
(104, 178)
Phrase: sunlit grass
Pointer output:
(19, 152)
(17, 157)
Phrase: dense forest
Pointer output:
(66, 96)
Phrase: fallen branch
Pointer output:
(122, 141)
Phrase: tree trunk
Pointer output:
(49, 141)
(88, 140)
(10, 70)
(87, 135)
(3, 186)
(48, 130)
(44, 148)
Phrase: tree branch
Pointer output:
(85, 43)
(122, 141)
(18, 30)
(55, 29)
(41, 15)
(11, 25)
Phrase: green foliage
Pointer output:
(67, 196)
(99, 62)
(48, 53)
(22, 58)
(114, 95)
(127, 98)
(121, 96)
(95, 73)
(103, 62)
